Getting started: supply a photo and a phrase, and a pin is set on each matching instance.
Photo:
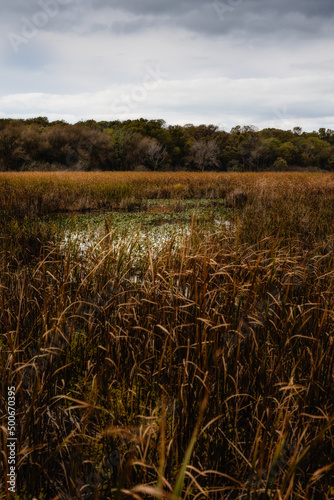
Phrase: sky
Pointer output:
(266, 63)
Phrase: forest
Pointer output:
(36, 144)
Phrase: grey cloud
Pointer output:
(29, 58)
(133, 26)
(150, 7)
(309, 8)
(253, 19)
(47, 15)
(322, 66)
(121, 27)
(266, 49)
(245, 18)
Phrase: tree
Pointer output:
(313, 151)
(151, 153)
(236, 130)
(326, 135)
(43, 121)
(12, 155)
(125, 144)
(297, 130)
(280, 165)
(178, 146)
(204, 154)
(289, 152)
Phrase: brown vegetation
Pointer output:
(36, 144)
(210, 376)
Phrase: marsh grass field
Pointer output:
(199, 367)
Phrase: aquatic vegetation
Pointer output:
(187, 348)
(152, 229)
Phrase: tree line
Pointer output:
(142, 144)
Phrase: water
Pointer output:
(141, 232)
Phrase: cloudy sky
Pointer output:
(268, 63)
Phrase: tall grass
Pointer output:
(210, 377)
(38, 193)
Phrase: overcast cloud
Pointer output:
(227, 62)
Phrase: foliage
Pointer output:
(280, 164)
(126, 145)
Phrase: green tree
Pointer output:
(12, 155)
(280, 165)
(288, 152)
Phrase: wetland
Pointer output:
(169, 335)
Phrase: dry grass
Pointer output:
(39, 193)
(212, 377)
